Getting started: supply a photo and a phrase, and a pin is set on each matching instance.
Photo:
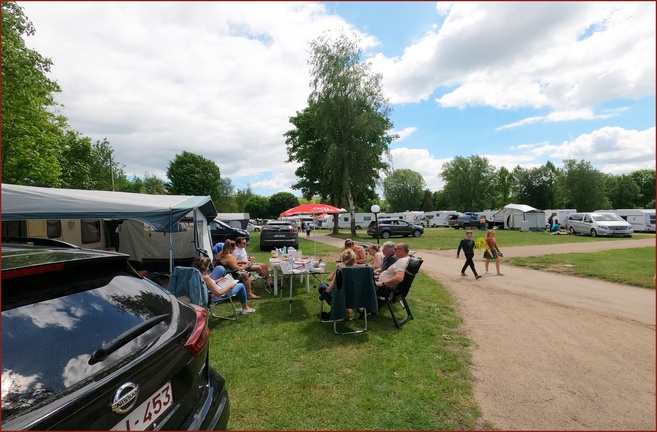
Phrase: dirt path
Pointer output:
(554, 352)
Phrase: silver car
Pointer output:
(595, 224)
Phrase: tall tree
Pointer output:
(154, 186)
(192, 174)
(258, 207)
(469, 183)
(427, 201)
(75, 158)
(645, 179)
(584, 186)
(623, 193)
(503, 189)
(32, 136)
(404, 189)
(281, 201)
(341, 136)
(440, 201)
(535, 187)
(106, 172)
(242, 196)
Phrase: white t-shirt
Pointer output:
(399, 265)
(240, 254)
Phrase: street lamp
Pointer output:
(376, 209)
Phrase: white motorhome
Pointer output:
(641, 219)
(560, 215)
(344, 220)
(438, 218)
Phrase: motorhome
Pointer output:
(560, 215)
(641, 219)
(437, 218)
(344, 220)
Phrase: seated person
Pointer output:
(375, 251)
(227, 260)
(203, 264)
(389, 258)
(243, 258)
(361, 256)
(393, 275)
(347, 259)
(215, 251)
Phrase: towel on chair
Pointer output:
(354, 288)
(187, 281)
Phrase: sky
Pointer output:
(520, 83)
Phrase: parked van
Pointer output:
(641, 219)
(595, 224)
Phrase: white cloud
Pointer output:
(566, 56)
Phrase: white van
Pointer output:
(641, 219)
(595, 224)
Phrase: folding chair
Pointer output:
(354, 288)
(187, 284)
(214, 301)
(399, 293)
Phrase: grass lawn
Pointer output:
(291, 372)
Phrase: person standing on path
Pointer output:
(492, 252)
(467, 244)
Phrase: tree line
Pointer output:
(340, 141)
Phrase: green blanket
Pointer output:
(354, 288)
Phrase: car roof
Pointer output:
(277, 222)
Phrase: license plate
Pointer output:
(149, 411)
(279, 235)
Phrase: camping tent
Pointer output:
(517, 216)
(161, 212)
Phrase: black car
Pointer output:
(277, 234)
(90, 344)
(465, 221)
(221, 231)
(394, 227)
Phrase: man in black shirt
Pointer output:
(467, 244)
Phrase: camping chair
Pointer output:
(354, 288)
(187, 284)
(399, 293)
(214, 301)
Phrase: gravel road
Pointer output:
(551, 351)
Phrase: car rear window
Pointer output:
(48, 342)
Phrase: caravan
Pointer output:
(437, 218)
(559, 216)
(641, 219)
(344, 220)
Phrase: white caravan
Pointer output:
(641, 219)
(561, 215)
(344, 220)
(438, 218)
(413, 217)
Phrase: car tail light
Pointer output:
(200, 334)
(27, 271)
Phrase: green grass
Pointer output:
(448, 238)
(291, 372)
(627, 266)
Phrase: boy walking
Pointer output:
(467, 244)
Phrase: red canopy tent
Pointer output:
(313, 209)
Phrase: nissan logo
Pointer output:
(125, 398)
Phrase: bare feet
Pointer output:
(253, 296)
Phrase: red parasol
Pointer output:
(313, 209)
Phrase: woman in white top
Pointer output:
(375, 251)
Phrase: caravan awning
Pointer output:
(158, 211)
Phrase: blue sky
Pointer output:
(520, 83)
